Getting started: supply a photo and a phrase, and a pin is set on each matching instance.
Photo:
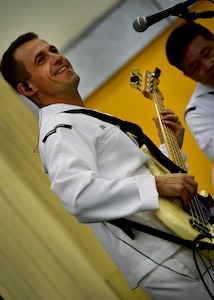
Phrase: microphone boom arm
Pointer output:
(179, 10)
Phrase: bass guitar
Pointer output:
(196, 218)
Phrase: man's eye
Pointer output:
(54, 50)
(195, 67)
(40, 60)
(207, 52)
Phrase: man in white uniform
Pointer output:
(190, 47)
(101, 175)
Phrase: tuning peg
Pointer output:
(135, 71)
(156, 73)
(134, 81)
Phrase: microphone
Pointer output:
(142, 23)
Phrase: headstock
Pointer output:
(146, 82)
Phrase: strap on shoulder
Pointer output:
(137, 132)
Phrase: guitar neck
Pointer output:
(168, 135)
(147, 84)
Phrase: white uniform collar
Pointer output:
(55, 108)
(202, 89)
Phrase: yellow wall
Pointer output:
(117, 98)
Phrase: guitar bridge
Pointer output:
(200, 227)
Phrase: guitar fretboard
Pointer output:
(168, 135)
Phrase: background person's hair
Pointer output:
(13, 70)
(180, 38)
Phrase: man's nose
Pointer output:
(208, 64)
(56, 57)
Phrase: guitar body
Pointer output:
(171, 212)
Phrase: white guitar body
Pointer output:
(171, 212)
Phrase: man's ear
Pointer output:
(24, 89)
(189, 76)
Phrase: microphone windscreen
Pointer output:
(140, 24)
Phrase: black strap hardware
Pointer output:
(127, 226)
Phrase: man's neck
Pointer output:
(46, 100)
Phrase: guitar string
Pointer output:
(196, 210)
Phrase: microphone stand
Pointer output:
(183, 12)
(194, 15)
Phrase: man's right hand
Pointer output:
(179, 185)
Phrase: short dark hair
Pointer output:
(14, 71)
(180, 38)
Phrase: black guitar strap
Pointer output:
(127, 226)
(137, 132)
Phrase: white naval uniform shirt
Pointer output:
(100, 174)
(200, 119)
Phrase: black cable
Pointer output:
(200, 274)
(158, 264)
(194, 250)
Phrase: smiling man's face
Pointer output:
(51, 72)
(198, 60)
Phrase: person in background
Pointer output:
(101, 175)
(190, 48)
